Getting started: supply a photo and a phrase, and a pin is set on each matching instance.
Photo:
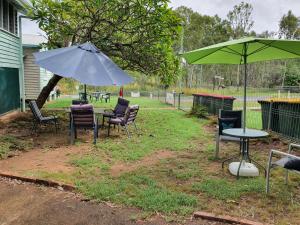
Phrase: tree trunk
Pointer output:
(46, 90)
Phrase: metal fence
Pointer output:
(281, 118)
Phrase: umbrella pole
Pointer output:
(85, 97)
(245, 93)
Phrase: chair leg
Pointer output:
(33, 127)
(136, 129)
(268, 173)
(217, 146)
(56, 128)
(72, 136)
(95, 134)
(268, 180)
(127, 131)
(108, 130)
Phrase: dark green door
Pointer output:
(9, 89)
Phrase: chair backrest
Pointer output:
(232, 118)
(121, 107)
(35, 110)
(82, 116)
(130, 114)
(80, 102)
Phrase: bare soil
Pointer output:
(24, 204)
(52, 160)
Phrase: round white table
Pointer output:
(245, 136)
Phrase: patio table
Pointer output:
(244, 136)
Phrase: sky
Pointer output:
(266, 13)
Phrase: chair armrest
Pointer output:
(283, 154)
(292, 146)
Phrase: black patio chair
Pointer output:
(83, 117)
(227, 119)
(79, 102)
(39, 119)
(288, 161)
(118, 111)
(128, 119)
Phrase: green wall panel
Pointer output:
(9, 90)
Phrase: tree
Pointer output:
(240, 19)
(289, 26)
(137, 34)
(199, 31)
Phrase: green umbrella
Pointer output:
(244, 51)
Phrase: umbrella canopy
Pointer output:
(253, 49)
(84, 63)
(243, 51)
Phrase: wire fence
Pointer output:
(276, 110)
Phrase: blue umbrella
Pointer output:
(84, 63)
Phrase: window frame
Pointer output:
(11, 15)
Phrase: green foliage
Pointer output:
(292, 74)
(200, 30)
(137, 34)
(288, 26)
(140, 191)
(240, 19)
(225, 190)
(199, 111)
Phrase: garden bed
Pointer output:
(213, 102)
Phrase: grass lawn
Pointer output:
(142, 102)
(169, 169)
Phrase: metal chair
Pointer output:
(39, 119)
(126, 120)
(287, 161)
(118, 111)
(106, 97)
(83, 117)
(227, 119)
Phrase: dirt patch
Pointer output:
(7, 118)
(53, 160)
(24, 203)
(119, 168)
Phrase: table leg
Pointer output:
(245, 154)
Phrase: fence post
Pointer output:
(174, 95)
(270, 114)
(179, 99)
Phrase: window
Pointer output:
(8, 17)
(1, 14)
(11, 18)
(5, 15)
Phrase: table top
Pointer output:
(96, 110)
(249, 133)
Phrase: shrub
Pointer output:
(199, 111)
